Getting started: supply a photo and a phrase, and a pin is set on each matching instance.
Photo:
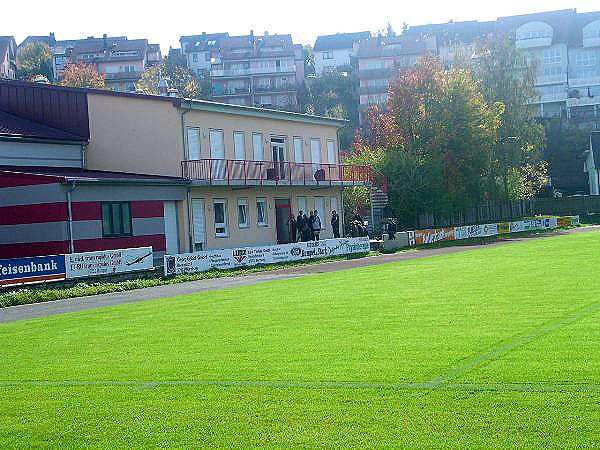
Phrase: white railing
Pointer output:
(251, 71)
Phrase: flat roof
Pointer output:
(203, 105)
(67, 174)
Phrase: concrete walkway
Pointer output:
(22, 312)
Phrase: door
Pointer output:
(217, 154)
(315, 158)
(199, 224)
(171, 228)
(320, 207)
(283, 212)
(278, 153)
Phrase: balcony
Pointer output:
(225, 172)
(275, 88)
(248, 71)
(230, 91)
(578, 82)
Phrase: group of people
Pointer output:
(308, 228)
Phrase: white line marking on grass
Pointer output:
(516, 342)
(148, 384)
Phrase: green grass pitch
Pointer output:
(494, 347)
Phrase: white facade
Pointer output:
(332, 59)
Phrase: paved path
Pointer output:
(35, 310)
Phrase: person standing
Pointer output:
(335, 224)
(292, 228)
(306, 230)
(311, 221)
(316, 226)
(300, 224)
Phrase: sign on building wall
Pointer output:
(251, 256)
(108, 262)
(32, 270)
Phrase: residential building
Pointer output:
(121, 60)
(8, 57)
(261, 71)
(196, 175)
(564, 44)
(335, 51)
(51, 203)
(380, 59)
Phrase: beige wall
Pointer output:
(145, 135)
(230, 123)
(255, 235)
(134, 135)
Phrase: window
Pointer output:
(116, 219)
(193, 143)
(261, 212)
(331, 152)
(298, 153)
(585, 59)
(217, 146)
(320, 207)
(198, 224)
(194, 57)
(243, 221)
(552, 71)
(257, 147)
(315, 151)
(328, 55)
(302, 204)
(238, 145)
(552, 56)
(220, 209)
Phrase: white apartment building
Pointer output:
(564, 44)
(336, 50)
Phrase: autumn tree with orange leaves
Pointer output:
(83, 75)
(433, 141)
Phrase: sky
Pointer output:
(164, 22)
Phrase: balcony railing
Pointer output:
(242, 172)
(247, 71)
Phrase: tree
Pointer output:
(436, 135)
(81, 75)
(35, 59)
(508, 77)
(180, 78)
(334, 94)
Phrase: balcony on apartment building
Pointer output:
(117, 76)
(275, 87)
(225, 91)
(551, 79)
(376, 89)
(380, 72)
(225, 172)
(249, 71)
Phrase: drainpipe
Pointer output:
(69, 205)
(190, 219)
(83, 148)
(188, 194)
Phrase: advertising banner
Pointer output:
(434, 235)
(567, 221)
(32, 270)
(503, 227)
(475, 231)
(108, 262)
(251, 256)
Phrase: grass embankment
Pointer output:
(489, 348)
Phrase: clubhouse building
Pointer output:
(84, 170)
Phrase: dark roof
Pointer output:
(391, 46)
(91, 176)
(109, 46)
(49, 40)
(454, 31)
(339, 40)
(17, 127)
(561, 21)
